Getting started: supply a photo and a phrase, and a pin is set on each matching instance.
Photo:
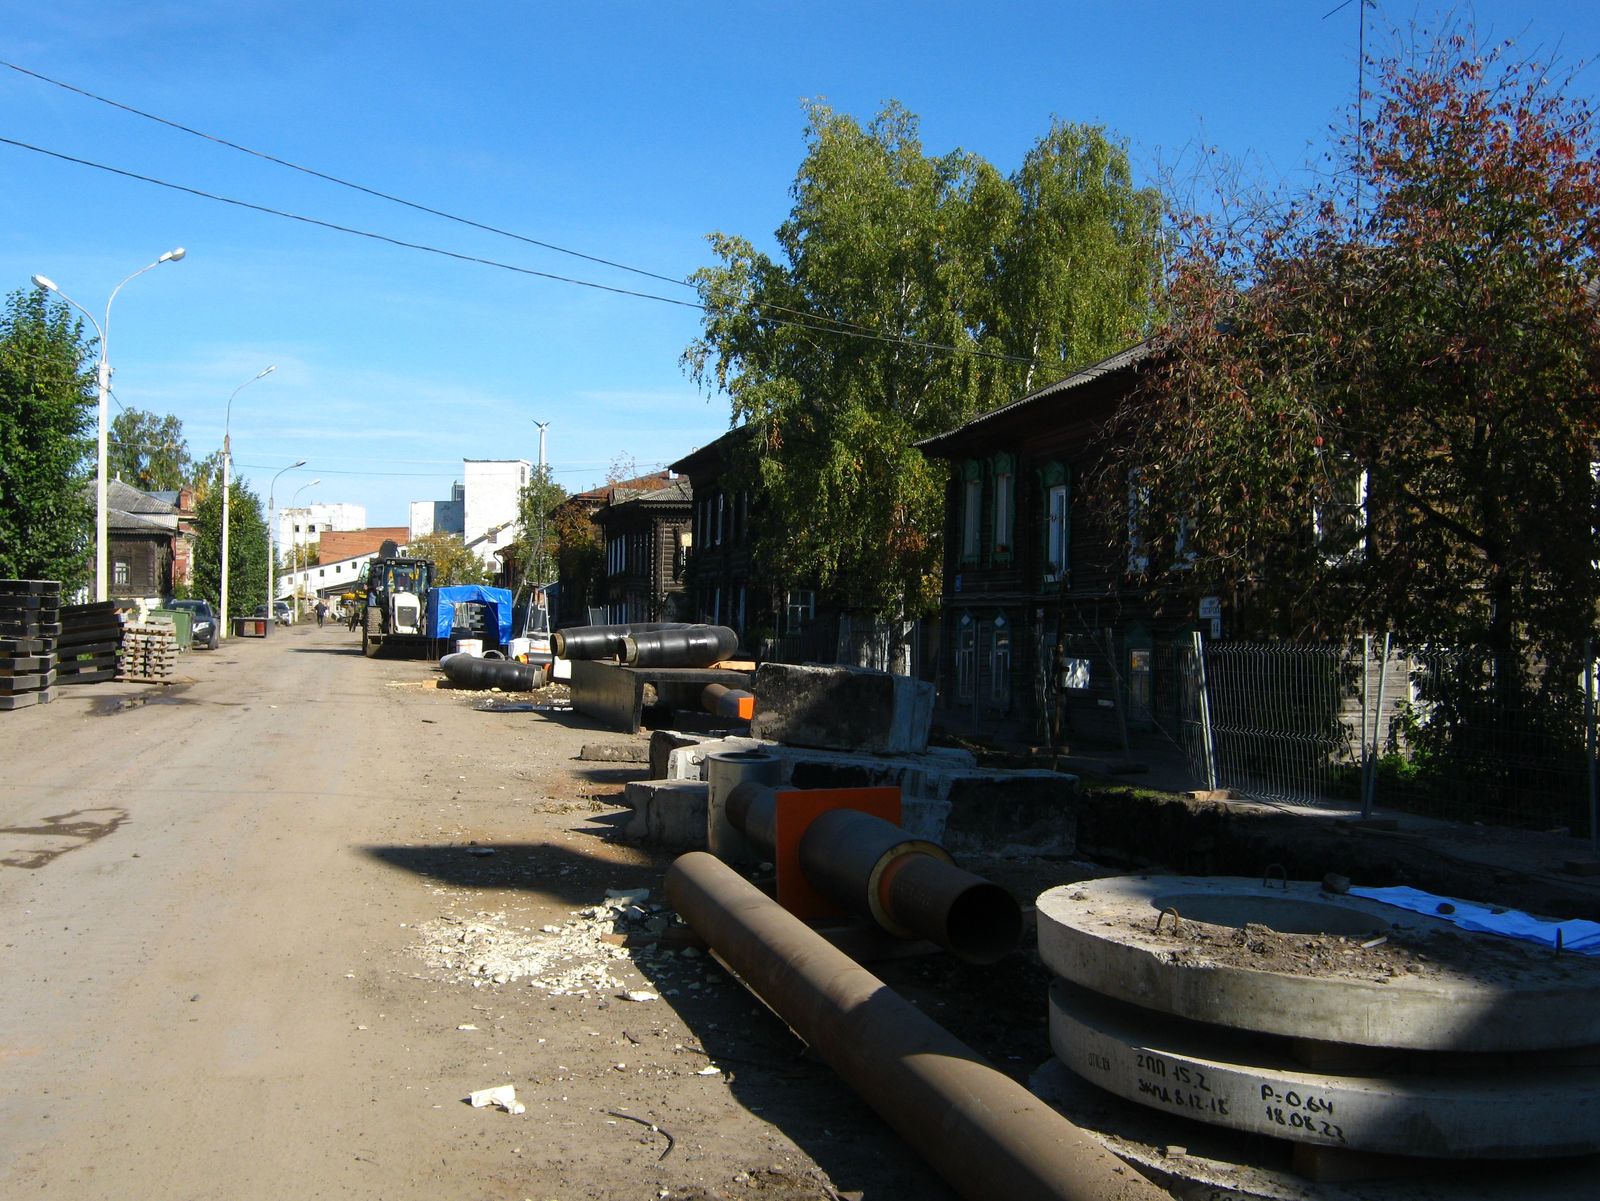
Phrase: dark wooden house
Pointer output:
(1048, 618)
(149, 541)
(728, 584)
(645, 537)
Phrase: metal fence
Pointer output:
(1426, 730)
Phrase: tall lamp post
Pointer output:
(103, 381)
(227, 464)
(294, 550)
(272, 548)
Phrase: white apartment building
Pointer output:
(303, 526)
(482, 508)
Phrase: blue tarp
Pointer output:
(442, 604)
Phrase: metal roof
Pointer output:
(1117, 362)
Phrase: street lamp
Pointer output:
(294, 549)
(103, 381)
(227, 463)
(272, 549)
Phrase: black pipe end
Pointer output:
(984, 923)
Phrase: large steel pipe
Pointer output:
(602, 642)
(979, 1129)
(909, 885)
(691, 646)
(473, 671)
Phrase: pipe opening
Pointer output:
(984, 923)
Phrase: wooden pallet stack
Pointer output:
(149, 653)
(30, 623)
(90, 636)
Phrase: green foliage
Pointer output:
(537, 542)
(148, 451)
(1439, 335)
(452, 562)
(47, 423)
(247, 550)
(912, 293)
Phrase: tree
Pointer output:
(46, 453)
(247, 549)
(537, 543)
(1381, 406)
(206, 474)
(453, 563)
(148, 451)
(913, 292)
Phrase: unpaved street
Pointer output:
(253, 937)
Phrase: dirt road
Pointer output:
(266, 929)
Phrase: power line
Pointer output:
(345, 183)
(807, 320)
(798, 319)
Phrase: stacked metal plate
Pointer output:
(90, 636)
(30, 624)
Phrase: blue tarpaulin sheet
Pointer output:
(442, 604)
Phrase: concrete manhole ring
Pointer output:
(1240, 1081)
(1287, 958)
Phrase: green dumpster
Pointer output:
(180, 620)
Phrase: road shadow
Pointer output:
(325, 650)
(560, 873)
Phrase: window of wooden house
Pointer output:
(966, 659)
(1141, 659)
(744, 517)
(121, 573)
(1005, 497)
(1138, 515)
(1000, 663)
(716, 605)
(1057, 523)
(800, 609)
(971, 511)
(1339, 522)
(721, 501)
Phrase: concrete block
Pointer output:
(614, 752)
(668, 813)
(842, 708)
(689, 762)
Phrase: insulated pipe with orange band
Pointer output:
(907, 885)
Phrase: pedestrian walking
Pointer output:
(322, 612)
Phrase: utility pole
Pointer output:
(543, 426)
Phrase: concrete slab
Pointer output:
(1290, 959)
(1247, 1083)
(841, 708)
(668, 813)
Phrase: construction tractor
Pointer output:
(396, 610)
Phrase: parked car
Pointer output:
(279, 612)
(202, 622)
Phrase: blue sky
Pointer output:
(627, 131)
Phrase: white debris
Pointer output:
(641, 995)
(504, 1096)
(713, 1070)
(628, 896)
(496, 947)
(466, 1027)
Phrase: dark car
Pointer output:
(202, 623)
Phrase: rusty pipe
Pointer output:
(752, 809)
(979, 1129)
(688, 646)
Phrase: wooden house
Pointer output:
(728, 584)
(1049, 628)
(645, 537)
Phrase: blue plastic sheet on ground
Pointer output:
(1576, 935)
(442, 604)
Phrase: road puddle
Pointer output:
(35, 846)
(107, 706)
